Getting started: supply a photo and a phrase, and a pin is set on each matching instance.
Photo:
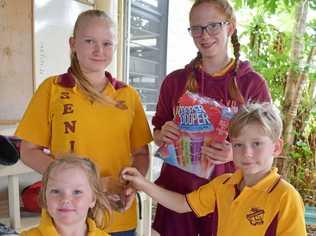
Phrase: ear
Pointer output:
(92, 204)
(231, 28)
(72, 42)
(278, 147)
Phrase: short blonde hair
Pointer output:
(100, 213)
(265, 114)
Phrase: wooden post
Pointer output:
(16, 62)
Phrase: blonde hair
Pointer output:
(225, 7)
(100, 213)
(81, 80)
(265, 114)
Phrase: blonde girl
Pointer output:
(72, 200)
(87, 112)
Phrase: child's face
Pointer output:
(253, 150)
(69, 195)
(210, 45)
(93, 44)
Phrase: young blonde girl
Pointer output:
(72, 200)
(213, 74)
(87, 112)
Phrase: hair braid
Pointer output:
(191, 84)
(233, 89)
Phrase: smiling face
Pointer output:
(69, 195)
(254, 150)
(93, 44)
(215, 44)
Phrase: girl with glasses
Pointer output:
(213, 73)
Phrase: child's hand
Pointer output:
(218, 152)
(169, 132)
(133, 176)
(130, 194)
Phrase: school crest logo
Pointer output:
(255, 216)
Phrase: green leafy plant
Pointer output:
(286, 59)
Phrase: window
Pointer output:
(146, 48)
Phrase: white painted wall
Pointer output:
(180, 47)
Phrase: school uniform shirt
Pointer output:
(47, 228)
(60, 118)
(252, 87)
(270, 207)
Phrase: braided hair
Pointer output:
(233, 89)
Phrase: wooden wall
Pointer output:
(16, 66)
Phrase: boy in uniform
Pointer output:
(254, 200)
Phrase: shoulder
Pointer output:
(286, 196)
(49, 82)
(221, 180)
(246, 72)
(119, 85)
(287, 191)
(94, 230)
(175, 75)
(174, 80)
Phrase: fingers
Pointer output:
(221, 145)
(169, 132)
(218, 152)
(129, 197)
(135, 179)
(128, 172)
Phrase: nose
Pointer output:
(98, 47)
(65, 198)
(247, 150)
(204, 29)
(204, 33)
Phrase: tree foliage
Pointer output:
(286, 58)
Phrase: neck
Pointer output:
(79, 229)
(98, 80)
(215, 64)
(252, 179)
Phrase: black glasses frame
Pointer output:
(204, 28)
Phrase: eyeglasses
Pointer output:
(211, 28)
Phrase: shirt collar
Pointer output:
(225, 69)
(267, 184)
(68, 81)
(47, 226)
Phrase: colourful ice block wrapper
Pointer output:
(201, 121)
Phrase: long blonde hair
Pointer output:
(81, 80)
(100, 213)
(228, 11)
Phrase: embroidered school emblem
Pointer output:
(255, 216)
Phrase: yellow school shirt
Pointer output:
(47, 228)
(60, 118)
(271, 207)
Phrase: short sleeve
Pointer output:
(203, 200)
(35, 124)
(291, 214)
(140, 132)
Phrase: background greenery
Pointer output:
(280, 43)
